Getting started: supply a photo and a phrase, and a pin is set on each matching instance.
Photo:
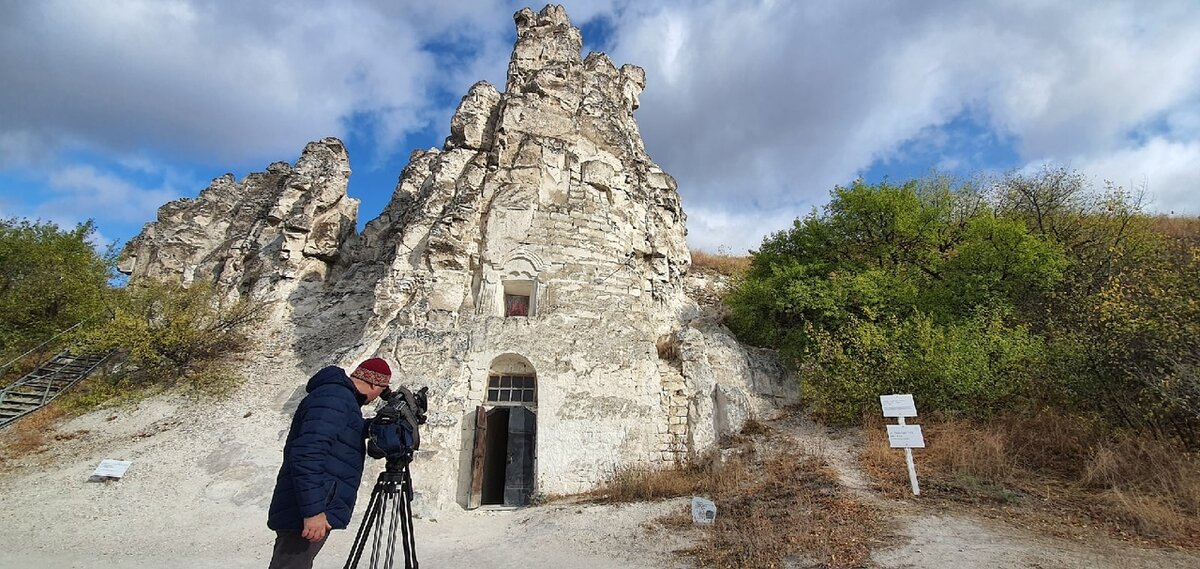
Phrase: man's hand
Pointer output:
(315, 528)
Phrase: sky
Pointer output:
(759, 108)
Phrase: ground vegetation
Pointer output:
(1048, 328)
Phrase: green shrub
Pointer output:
(172, 335)
(971, 368)
(1035, 291)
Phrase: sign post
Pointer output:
(904, 436)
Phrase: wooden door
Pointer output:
(476, 496)
(518, 475)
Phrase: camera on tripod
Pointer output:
(394, 433)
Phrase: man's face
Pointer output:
(373, 392)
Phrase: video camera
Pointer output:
(394, 431)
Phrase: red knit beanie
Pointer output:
(374, 371)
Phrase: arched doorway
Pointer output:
(505, 449)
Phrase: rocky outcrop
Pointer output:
(256, 236)
(541, 247)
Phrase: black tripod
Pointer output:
(391, 503)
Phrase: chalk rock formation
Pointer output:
(530, 272)
(255, 235)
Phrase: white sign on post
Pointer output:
(904, 436)
(898, 405)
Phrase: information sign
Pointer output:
(905, 436)
(112, 468)
(898, 405)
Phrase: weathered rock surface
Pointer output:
(253, 236)
(541, 243)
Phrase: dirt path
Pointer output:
(926, 537)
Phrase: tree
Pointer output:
(917, 286)
(50, 279)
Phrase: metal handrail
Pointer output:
(46, 397)
(4, 368)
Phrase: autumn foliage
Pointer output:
(1012, 295)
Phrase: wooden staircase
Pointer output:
(42, 385)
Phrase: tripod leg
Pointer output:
(378, 534)
(363, 529)
(395, 516)
(410, 543)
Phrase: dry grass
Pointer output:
(791, 512)
(32, 433)
(668, 346)
(775, 508)
(37, 431)
(727, 265)
(641, 485)
(1177, 227)
(1055, 470)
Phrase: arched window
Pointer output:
(519, 288)
(511, 381)
(511, 389)
(517, 298)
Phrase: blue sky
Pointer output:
(758, 108)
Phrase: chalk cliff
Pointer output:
(530, 272)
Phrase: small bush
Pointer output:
(176, 336)
(102, 391)
(971, 368)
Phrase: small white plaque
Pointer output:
(898, 405)
(112, 468)
(905, 436)
(703, 511)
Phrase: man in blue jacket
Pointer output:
(322, 462)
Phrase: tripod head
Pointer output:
(397, 465)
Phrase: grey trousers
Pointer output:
(293, 551)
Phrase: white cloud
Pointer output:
(762, 106)
(223, 80)
(1168, 171)
(755, 106)
(84, 192)
(733, 231)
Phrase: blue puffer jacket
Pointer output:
(323, 456)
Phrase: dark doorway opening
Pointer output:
(504, 456)
(495, 457)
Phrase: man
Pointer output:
(322, 462)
